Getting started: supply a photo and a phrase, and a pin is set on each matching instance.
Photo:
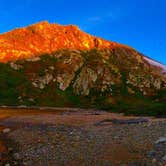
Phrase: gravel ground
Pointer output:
(55, 140)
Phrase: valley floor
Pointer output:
(80, 138)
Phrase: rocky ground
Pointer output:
(84, 138)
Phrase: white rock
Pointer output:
(7, 164)
(52, 67)
(7, 130)
(15, 66)
(16, 156)
(33, 59)
(164, 158)
(154, 161)
(161, 140)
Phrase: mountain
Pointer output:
(53, 65)
(44, 38)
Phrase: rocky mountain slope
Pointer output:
(43, 38)
(52, 65)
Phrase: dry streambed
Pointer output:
(85, 138)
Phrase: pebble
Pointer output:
(7, 164)
(154, 161)
(16, 156)
(25, 163)
(164, 158)
(7, 130)
(71, 133)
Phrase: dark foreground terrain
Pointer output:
(80, 138)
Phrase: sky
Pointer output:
(140, 24)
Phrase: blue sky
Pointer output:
(138, 23)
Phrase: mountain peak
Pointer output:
(44, 37)
(45, 22)
(42, 24)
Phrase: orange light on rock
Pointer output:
(46, 38)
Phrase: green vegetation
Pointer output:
(16, 86)
(9, 81)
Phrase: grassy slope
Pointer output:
(15, 83)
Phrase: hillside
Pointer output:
(52, 65)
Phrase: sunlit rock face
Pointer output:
(44, 38)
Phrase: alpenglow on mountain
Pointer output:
(53, 65)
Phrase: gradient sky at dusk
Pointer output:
(138, 23)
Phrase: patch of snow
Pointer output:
(157, 64)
